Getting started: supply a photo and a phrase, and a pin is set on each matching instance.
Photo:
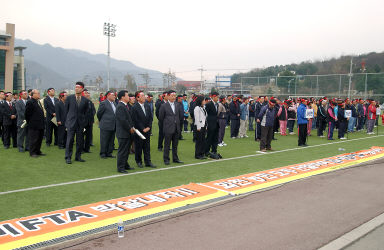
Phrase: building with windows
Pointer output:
(12, 70)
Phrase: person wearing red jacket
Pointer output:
(371, 116)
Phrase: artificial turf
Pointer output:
(19, 171)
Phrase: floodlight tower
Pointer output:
(110, 31)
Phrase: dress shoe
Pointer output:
(103, 157)
(178, 161)
(150, 165)
(129, 168)
(87, 151)
(21, 150)
(48, 145)
(201, 157)
(160, 149)
(68, 161)
(269, 149)
(181, 139)
(167, 163)
(140, 165)
(80, 160)
(61, 147)
(111, 156)
(34, 156)
(6, 147)
(122, 172)
(41, 154)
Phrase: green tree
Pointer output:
(130, 83)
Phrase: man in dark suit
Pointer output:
(22, 133)
(180, 106)
(234, 109)
(169, 117)
(213, 126)
(142, 120)
(9, 121)
(106, 114)
(34, 115)
(2, 100)
(76, 106)
(50, 102)
(90, 116)
(124, 132)
(158, 105)
(61, 116)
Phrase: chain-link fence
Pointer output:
(360, 85)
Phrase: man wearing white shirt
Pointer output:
(50, 102)
(22, 133)
(169, 117)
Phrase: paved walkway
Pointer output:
(306, 214)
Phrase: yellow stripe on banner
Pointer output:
(107, 222)
(301, 176)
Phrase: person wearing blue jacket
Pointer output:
(302, 122)
(267, 116)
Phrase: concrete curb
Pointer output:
(354, 235)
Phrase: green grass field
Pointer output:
(19, 171)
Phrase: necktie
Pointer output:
(78, 99)
(10, 106)
(113, 107)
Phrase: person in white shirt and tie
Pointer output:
(22, 133)
(107, 124)
(170, 116)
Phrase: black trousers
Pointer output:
(185, 123)
(10, 131)
(22, 137)
(1, 131)
(266, 137)
(161, 136)
(342, 129)
(235, 125)
(123, 153)
(322, 126)
(258, 131)
(212, 140)
(143, 147)
(79, 142)
(50, 129)
(181, 129)
(61, 136)
(200, 141)
(302, 134)
(168, 139)
(107, 139)
(35, 139)
(88, 135)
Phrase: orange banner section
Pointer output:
(254, 181)
(18, 229)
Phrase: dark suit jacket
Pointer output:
(211, 116)
(170, 119)
(106, 116)
(20, 110)
(1, 113)
(140, 120)
(234, 110)
(34, 115)
(158, 104)
(124, 121)
(75, 114)
(7, 112)
(61, 114)
(49, 107)
(90, 116)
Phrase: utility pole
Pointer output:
(350, 80)
(201, 77)
(146, 78)
(109, 30)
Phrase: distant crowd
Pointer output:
(26, 119)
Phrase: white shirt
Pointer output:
(143, 108)
(113, 106)
(53, 100)
(172, 106)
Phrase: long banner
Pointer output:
(40, 228)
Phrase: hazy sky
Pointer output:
(182, 35)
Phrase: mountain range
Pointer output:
(48, 66)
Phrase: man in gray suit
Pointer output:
(106, 114)
(169, 117)
(22, 133)
(124, 132)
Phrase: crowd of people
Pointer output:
(26, 118)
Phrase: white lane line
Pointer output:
(175, 167)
